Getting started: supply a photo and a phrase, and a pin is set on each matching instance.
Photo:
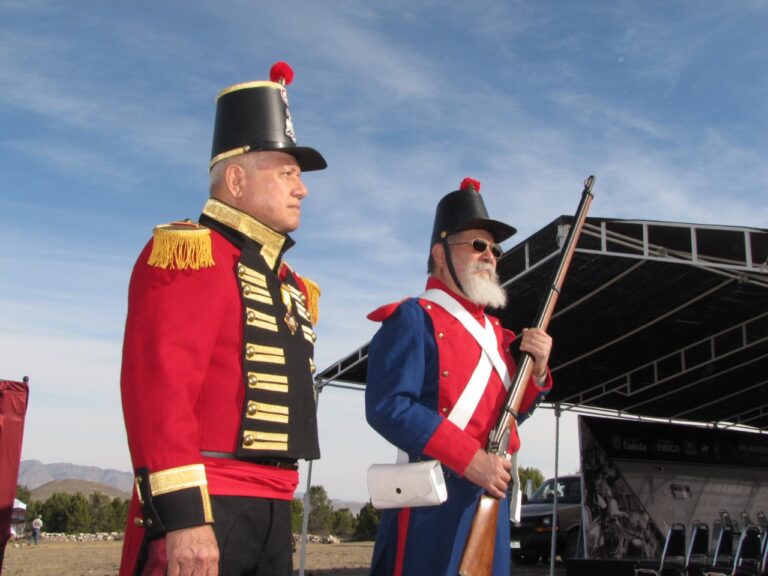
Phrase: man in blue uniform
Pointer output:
(438, 372)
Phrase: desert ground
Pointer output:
(103, 558)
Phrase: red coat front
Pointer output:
(182, 383)
(418, 369)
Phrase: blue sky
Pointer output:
(107, 109)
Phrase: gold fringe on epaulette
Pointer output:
(313, 299)
(181, 246)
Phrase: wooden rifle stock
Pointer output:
(477, 559)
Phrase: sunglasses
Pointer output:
(480, 245)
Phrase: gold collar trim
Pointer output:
(271, 242)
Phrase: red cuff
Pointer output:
(452, 446)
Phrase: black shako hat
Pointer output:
(254, 117)
(464, 209)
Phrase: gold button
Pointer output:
(148, 522)
(440, 335)
(249, 351)
(251, 315)
(445, 410)
(429, 306)
(138, 522)
(240, 270)
(445, 373)
(312, 367)
(252, 409)
(253, 379)
(246, 290)
(248, 440)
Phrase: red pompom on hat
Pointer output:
(470, 184)
(254, 117)
(464, 209)
(281, 73)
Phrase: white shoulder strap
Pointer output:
(489, 360)
(486, 338)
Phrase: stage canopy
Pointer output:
(656, 319)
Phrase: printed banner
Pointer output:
(641, 477)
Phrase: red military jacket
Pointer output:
(218, 340)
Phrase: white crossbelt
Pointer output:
(470, 397)
(490, 359)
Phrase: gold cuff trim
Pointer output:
(271, 242)
(175, 479)
(207, 508)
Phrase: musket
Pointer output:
(477, 559)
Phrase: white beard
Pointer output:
(481, 290)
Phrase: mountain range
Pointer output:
(45, 479)
(34, 474)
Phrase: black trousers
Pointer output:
(254, 536)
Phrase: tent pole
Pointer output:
(305, 517)
(553, 544)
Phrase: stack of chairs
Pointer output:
(749, 559)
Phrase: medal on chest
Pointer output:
(289, 318)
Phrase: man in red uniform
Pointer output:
(438, 369)
(217, 382)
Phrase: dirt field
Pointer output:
(102, 559)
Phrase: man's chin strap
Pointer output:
(449, 261)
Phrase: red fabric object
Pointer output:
(459, 354)
(470, 184)
(403, 517)
(184, 358)
(182, 364)
(13, 409)
(281, 72)
(383, 312)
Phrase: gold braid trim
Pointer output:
(313, 299)
(181, 245)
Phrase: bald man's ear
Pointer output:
(438, 255)
(234, 179)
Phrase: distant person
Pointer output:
(37, 526)
(425, 366)
(217, 377)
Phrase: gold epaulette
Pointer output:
(181, 245)
(313, 299)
